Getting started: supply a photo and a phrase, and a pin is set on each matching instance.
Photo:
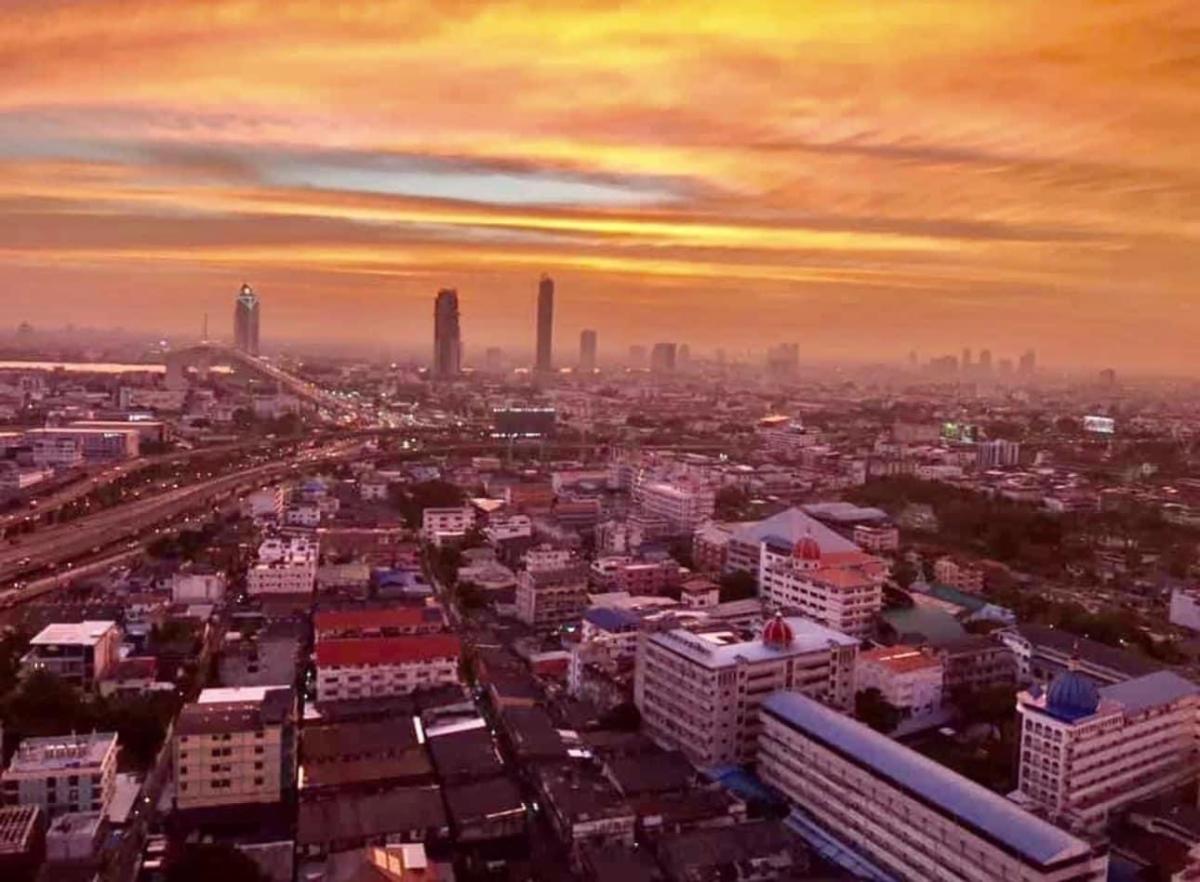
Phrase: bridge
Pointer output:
(207, 354)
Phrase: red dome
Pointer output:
(778, 632)
(807, 549)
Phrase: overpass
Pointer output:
(207, 354)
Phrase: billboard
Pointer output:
(523, 422)
(1101, 425)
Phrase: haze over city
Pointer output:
(864, 179)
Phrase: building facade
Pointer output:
(908, 816)
(246, 309)
(550, 597)
(545, 325)
(700, 692)
(371, 667)
(907, 677)
(63, 773)
(1088, 751)
(447, 336)
(587, 351)
(285, 565)
(80, 653)
(843, 591)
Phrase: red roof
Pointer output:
(375, 619)
(359, 652)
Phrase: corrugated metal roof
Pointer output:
(1140, 693)
(975, 807)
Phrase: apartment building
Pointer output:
(81, 653)
(285, 565)
(841, 590)
(235, 746)
(63, 773)
(909, 678)
(370, 667)
(682, 505)
(865, 798)
(1088, 751)
(446, 522)
(699, 692)
(963, 575)
(548, 598)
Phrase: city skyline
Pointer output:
(1016, 176)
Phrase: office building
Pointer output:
(545, 325)
(285, 565)
(841, 590)
(1088, 751)
(246, 310)
(63, 773)
(985, 361)
(447, 336)
(587, 351)
(235, 746)
(79, 653)
(662, 358)
(1027, 364)
(51, 444)
(373, 667)
(700, 692)
(862, 796)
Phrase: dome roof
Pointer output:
(777, 632)
(807, 549)
(1072, 696)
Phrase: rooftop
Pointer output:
(900, 659)
(792, 525)
(726, 647)
(365, 651)
(376, 619)
(60, 752)
(1152, 690)
(87, 633)
(986, 813)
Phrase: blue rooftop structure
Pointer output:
(988, 814)
(609, 619)
(1140, 693)
(1072, 696)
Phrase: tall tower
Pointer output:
(587, 351)
(545, 325)
(447, 336)
(245, 321)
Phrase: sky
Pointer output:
(862, 178)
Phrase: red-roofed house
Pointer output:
(369, 667)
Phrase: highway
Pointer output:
(38, 553)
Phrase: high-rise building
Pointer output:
(985, 361)
(545, 325)
(1028, 363)
(447, 336)
(662, 358)
(783, 360)
(966, 359)
(245, 321)
(587, 351)
(637, 356)
(493, 360)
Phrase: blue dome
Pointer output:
(1072, 696)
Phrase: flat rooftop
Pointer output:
(62, 752)
(72, 633)
(725, 647)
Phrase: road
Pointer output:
(91, 534)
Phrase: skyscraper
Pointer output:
(985, 361)
(545, 325)
(662, 358)
(587, 351)
(447, 336)
(1028, 363)
(245, 321)
(966, 359)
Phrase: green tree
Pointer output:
(738, 585)
(904, 573)
(876, 711)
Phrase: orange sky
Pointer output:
(863, 178)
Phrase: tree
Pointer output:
(904, 573)
(203, 862)
(738, 585)
(876, 711)
(731, 503)
(623, 717)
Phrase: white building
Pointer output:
(1087, 751)
(786, 437)
(908, 678)
(545, 558)
(446, 522)
(235, 746)
(373, 489)
(80, 653)
(997, 454)
(842, 590)
(303, 514)
(285, 565)
(63, 773)
(503, 528)
(98, 445)
(370, 667)
(700, 692)
(900, 815)
(56, 452)
(877, 538)
(265, 503)
(682, 505)
(191, 585)
(1185, 608)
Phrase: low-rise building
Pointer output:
(97, 445)
(548, 598)
(1089, 751)
(235, 746)
(682, 505)
(867, 798)
(80, 653)
(368, 667)
(963, 575)
(192, 584)
(63, 773)
(285, 565)
(877, 538)
(699, 692)
(438, 524)
(908, 678)
(976, 663)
